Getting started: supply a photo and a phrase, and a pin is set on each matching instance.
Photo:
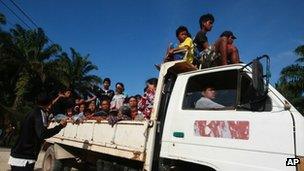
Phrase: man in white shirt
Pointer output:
(205, 102)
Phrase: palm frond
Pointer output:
(22, 84)
(300, 51)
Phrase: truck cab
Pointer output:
(249, 132)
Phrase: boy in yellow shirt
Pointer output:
(185, 46)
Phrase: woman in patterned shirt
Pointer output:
(145, 105)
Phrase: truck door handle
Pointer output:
(178, 134)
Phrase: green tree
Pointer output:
(74, 72)
(8, 69)
(30, 64)
(291, 82)
(28, 52)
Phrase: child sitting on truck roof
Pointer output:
(185, 46)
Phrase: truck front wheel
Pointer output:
(50, 163)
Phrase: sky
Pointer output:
(126, 38)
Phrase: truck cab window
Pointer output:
(214, 91)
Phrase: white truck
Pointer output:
(256, 130)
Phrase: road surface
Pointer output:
(4, 156)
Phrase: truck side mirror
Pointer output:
(257, 78)
(258, 75)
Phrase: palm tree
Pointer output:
(74, 72)
(291, 82)
(30, 52)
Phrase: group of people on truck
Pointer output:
(199, 51)
(105, 104)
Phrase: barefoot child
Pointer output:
(185, 44)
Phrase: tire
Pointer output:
(49, 159)
(51, 164)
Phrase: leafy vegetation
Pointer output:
(30, 64)
(291, 82)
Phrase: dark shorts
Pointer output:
(208, 57)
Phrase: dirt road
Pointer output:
(4, 156)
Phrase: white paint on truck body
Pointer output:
(125, 139)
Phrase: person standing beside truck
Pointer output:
(32, 134)
(206, 101)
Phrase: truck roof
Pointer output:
(183, 67)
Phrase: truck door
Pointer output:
(222, 130)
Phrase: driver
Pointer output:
(206, 101)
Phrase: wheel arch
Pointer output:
(184, 164)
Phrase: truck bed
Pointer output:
(125, 139)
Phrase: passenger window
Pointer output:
(214, 91)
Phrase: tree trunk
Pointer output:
(17, 102)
